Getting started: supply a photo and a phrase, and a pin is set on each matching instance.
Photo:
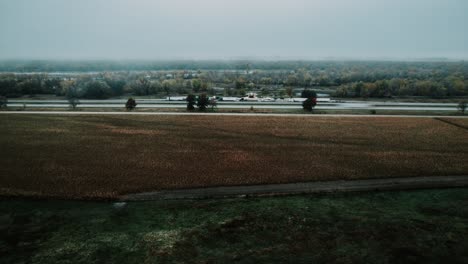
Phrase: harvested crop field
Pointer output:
(107, 156)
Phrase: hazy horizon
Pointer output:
(233, 30)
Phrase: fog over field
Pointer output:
(213, 29)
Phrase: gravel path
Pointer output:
(305, 187)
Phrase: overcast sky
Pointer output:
(222, 29)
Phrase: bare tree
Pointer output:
(72, 96)
(73, 102)
(213, 104)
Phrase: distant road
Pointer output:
(160, 103)
(249, 105)
(215, 114)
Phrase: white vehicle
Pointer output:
(323, 100)
(250, 97)
(319, 99)
(267, 99)
(230, 99)
(298, 99)
(176, 98)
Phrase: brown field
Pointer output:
(106, 156)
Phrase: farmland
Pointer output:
(102, 157)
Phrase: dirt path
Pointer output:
(305, 187)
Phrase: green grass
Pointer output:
(428, 226)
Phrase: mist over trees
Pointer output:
(100, 80)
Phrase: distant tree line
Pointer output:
(449, 86)
(278, 79)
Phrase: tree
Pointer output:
(342, 91)
(190, 102)
(289, 91)
(462, 106)
(72, 96)
(131, 104)
(73, 102)
(306, 93)
(116, 85)
(213, 104)
(202, 102)
(358, 89)
(309, 104)
(3, 102)
(239, 83)
(97, 90)
(311, 100)
(196, 84)
(168, 86)
(140, 87)
(204, 87)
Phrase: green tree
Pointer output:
(130, 104)
(168, 86)
(240, 83)
(140, 87)
(358, 89)
(202, 102)
(190, 102)
(306, 93)
(116, 85)
(342, 91)
(204, 87)
(196, 84)
(97, 90)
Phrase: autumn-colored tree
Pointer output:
(311, 100)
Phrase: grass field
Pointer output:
(106, 156)
(389, 227)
